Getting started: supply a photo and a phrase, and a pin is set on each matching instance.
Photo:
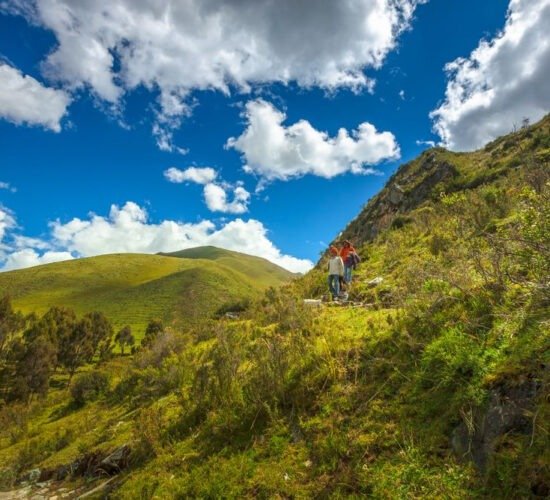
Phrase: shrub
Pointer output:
(89, 386)
(454, 364)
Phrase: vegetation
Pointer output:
(130, 289)
(395, 398)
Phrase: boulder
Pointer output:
(505, 412)
(116, 461)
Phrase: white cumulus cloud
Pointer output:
(216, 199)
(18, 251)
(7, 222)
(272, 150)
(128, 229)
(199, 175)
(173, 47)
(430, 144)
(29, 257)
(24, 100)
(503, 81)
(215, 193)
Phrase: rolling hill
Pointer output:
(178, 288)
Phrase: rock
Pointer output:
(116, 461)
(411, 186)
(34, 475)
(375, 281)
(505, 412)
(62, 472)
(14, 494)
(313, 302)
(396, 194)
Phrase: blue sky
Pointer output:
(102, 116)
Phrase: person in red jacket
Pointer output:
(350, 259)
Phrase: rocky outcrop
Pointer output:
(93, 464)
(407, 189)
(506, 412)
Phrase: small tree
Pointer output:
(154, 327)
(101, 333)
(57, 325)
(10, 323)
(125, 338)
(78, 348)
(34, 366)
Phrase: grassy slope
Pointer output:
(343, 402)
(252, 267)
(133, 288)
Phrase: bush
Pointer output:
(454, 364)
(89, 386)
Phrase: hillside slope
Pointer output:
(134, 288)
(434, 383)
(438, 171)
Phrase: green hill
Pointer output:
(134, 288)
(432, 383)
(254, 268)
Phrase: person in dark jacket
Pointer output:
(350, 258)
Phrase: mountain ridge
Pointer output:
(438, 171)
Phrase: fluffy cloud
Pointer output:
(199, 175)
(430, 144)
(29, 257)
(7, 222)
(18, 251)
(25, 100)
(273, 151)
(215, 197)
(502, 81)
(174, 47)
(215, 194)
(127, 229)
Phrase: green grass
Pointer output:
(334, 402)
(134, 288)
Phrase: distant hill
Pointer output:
(131, 289)
(260, 270)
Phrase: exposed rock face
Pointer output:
(506, 412)
(92, 464)
(116, 461)
(407, 189)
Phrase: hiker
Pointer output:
(350, 259)
(335, 272)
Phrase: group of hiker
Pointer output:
(341, 264)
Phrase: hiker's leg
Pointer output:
(337, 286)
(330, 286)
(347, 274)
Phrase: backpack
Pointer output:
(352, 260)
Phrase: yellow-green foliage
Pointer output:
(131, 289)
(343, 402)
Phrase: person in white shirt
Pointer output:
(335, 272)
